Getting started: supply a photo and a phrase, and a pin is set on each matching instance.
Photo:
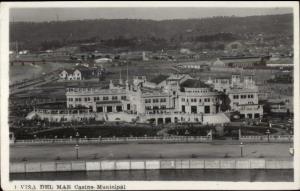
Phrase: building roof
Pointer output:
(151, 90)
(69, 70)
(194, 83)
(158, 79)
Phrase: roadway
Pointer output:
(139, 151)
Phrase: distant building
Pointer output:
(80, 73)
(136, 55)
(103, 60)
(242, 93)
(218, 63)
(23, 52)
(199, 65)
(236, 62)
(185, 51)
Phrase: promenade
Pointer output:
(65, 152)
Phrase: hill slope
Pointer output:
(32, 35)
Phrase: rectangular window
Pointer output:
(105, 98)
(235, 96)
(79, 99)
(155, 100)
(183, 108)
(148, 107)
(114, 97)
(109, 109)
(182, 99)
(163, 107)
(123, 97)
(163, 100)
(155, 108)
(119, 108)
(193, 109)
(207, 100)
(99, 109)
(147, 100)
(200, 100)
(206, 109)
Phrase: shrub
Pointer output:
(261, 156)
(95, 156)
(226, 155)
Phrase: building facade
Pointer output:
(242, 93)
(163, 99)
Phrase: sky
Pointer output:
(62, 14)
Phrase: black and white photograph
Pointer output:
(149, 95)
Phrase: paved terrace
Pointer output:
(149, 151)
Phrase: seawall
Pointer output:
(147, 164)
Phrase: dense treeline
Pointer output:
(134, 32)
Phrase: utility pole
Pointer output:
(57, 17)
(127, 71)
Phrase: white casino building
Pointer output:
(164, 99)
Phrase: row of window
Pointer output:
(243, 96)
(237, 103)
(155, 107)
(87, 99)
(156, 100)
(200, 100)
(197, 91)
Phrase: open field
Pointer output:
(139, 151)
(18, 72)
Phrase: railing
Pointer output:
(171, 139)
(266, 138)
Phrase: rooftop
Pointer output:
(158, 79)
(194, 83)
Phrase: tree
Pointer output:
(225, 105)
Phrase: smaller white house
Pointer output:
(218, 63)
(74, 74)
(23, 52)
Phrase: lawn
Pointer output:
(18, 72)
(93, 131)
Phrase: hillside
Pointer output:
(33, 35)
